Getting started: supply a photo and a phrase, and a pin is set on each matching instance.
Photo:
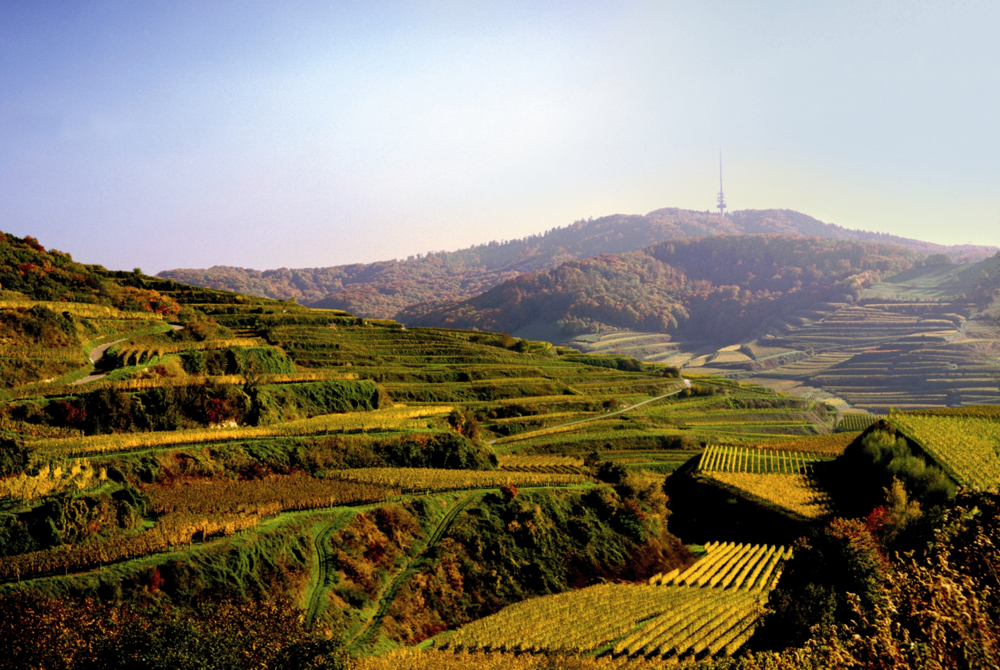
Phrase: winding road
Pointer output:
(97, 354)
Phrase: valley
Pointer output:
(343, 491)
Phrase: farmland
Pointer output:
(907, 343)
(966, 445)
(779, 478)
(710, 608)
(548, 416)
(403, 487)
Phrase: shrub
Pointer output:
(14, 457)
(845, 557)
(508, 492)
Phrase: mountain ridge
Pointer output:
(720, 287)
(384, 288)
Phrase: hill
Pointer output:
(877, 326)
(384, 288)
(244, 482)
(52, 306)
(719, 289)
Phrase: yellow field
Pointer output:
(419, 479)
(395, 418)
(412, 659)
(796, 493)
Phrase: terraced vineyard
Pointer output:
(655, 347)
(326, 458)
(906, 355)
(761, 350)
(967, 447)
(780, 478)
(541, 463)
(828, 444)
(906, 352)
(395, 418)
(709, 609)
(855, 422)
(429, 479)
(651, 461)
(798, 494)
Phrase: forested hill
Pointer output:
(29, 272)
(382, 289)
(719, 288)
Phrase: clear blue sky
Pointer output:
(301, 134)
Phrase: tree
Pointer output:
(14, 457)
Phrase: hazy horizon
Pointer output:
(315, 134)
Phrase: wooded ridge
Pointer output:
(384, 288)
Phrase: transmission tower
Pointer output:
(722, 196)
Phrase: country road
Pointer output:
(97, 354)
(687, 385)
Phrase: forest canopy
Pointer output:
(385, 288)
(724, 287)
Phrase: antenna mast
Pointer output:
(722, 197)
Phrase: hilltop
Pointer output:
(385, 288)
(718, 289)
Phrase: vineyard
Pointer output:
(830, 444)
(87, 311)
(796, 493)
(541, 463)
(48, 480)
(780, 478)
(134, 354)
(709, 609)
(417, 659)
(903, 355)
(263, 497)
(967, 447)
(756, 461)
(857, 422)
(256, 487)
(395, 418)
(751, 567)
(428, 479)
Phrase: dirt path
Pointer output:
(392, 588)
(687, 385)
(323, 559)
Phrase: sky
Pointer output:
(267, 134)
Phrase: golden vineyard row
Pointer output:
(720, 458)
(393, 418)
